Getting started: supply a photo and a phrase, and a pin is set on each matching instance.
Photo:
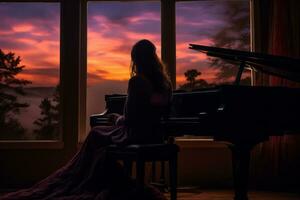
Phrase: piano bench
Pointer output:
(147, 153)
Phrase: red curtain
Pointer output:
(284, 35)
(277, 25)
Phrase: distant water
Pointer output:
(95, 102)
(34, 96)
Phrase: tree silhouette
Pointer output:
(191, 75)
(10, 88)
(48, 123)
(236, 35)
(192, 82)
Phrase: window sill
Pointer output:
(199, 143)
(31, 144)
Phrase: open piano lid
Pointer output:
(285, 67)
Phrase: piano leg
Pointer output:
(240, 169)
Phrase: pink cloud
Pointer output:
(22, 28)
(144, 17)
(110, 52)
(36, 49)
(109, 46)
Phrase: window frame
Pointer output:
(73, 44)
(38, 144)
(168, 50)
(40, 158)
(68, 79)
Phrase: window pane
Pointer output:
(213, 23)
(29, 98)
(113, 28)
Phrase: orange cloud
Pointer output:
(36, 49)
(109, 46)
(23, 28)
(112, 54)
(102, 56)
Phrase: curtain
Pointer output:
(276, 26)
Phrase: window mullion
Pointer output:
(70, 70)
(168, 43)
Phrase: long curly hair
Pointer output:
(145, 62)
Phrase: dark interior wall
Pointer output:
(200, 164)
(205, 164)
(23, 168)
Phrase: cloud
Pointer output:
(199, 19)
(97, 75)
(110, 40)
(32, 30)
(94, 78)
(28, 24)
(30, 11)
(42, 71)
(123, 12)
(40, 76)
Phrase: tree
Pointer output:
(191, 75)
(48, 123)
(10, 88)
(236, 35)
(192, 83)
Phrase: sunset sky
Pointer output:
(31, 30)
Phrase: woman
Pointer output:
(89, 175)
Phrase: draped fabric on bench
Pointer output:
(91, 174)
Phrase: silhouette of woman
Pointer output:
(89, 174)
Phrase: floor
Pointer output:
(228, 195)
(196, 194)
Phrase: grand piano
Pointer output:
(241, 116)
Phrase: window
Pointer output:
(29, 71)
(31, 31)
(215, 23)
(113, 28)
(212, 23)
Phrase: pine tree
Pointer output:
(10, 88)
(48, 123)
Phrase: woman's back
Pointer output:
(143, 110)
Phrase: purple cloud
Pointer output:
(51, 72)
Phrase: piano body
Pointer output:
(242, 116)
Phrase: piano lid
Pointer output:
(285, 67)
